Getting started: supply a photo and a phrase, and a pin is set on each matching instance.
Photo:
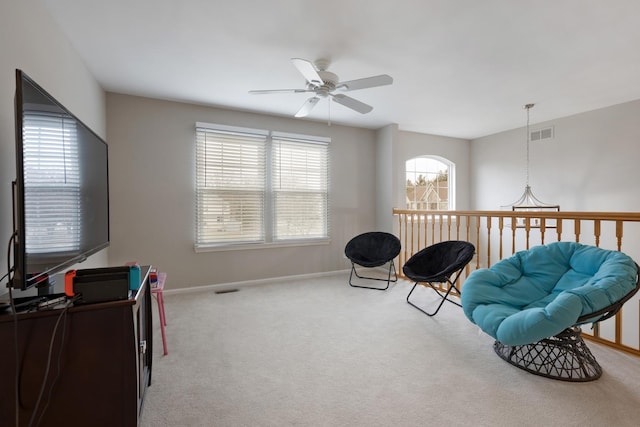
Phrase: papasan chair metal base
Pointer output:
(562, 357)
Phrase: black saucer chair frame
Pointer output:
(440, 271)
(381, 248)
(389, 280)
(564, 356)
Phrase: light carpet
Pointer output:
(320, 353)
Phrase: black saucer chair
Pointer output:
(371, 250)
(436, 264)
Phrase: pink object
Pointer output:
(158, 292)
(157, 289)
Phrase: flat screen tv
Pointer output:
(61, 191)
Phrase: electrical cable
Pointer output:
(62, 315)
(15, 332)
(14, 311)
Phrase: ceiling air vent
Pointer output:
(541, 134)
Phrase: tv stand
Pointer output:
(104, 362)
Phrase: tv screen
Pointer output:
(61, 192)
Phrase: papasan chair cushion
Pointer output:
(540, 292)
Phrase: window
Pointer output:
(299, 185)
(259, 187)
(429, 183)
(52, 182)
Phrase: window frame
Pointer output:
(269, 215)
(450, 179)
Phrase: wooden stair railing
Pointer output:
(499, 234)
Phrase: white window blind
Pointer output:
(230, 193)
(256, 186)
(52, 183)
(299, 188)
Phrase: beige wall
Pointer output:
(151, 148)
(40, 50)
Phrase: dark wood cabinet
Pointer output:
(98, 363)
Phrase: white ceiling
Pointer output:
(461, 68)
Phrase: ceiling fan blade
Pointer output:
(307, 106)
(267, 91)
(354, 104)
(309, 72)
(381, 80)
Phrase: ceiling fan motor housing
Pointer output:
(329, 79)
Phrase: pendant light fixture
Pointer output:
(529, 202)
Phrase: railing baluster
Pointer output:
(413, 221)
(500, 227)
(478, 247)
(418, 233)
(488, 241)
(619, 234)
(468, 218)
(425, 229)
(406, 238)
(559, 229)
(514, 225)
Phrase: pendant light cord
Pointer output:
(528, 107)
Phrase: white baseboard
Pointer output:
(222, 287)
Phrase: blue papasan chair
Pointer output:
(534, 302)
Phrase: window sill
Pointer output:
(250, 246)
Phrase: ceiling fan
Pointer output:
(324, 84)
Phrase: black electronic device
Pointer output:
(61, 191)
(99, 284)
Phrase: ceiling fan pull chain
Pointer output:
(329, 103)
